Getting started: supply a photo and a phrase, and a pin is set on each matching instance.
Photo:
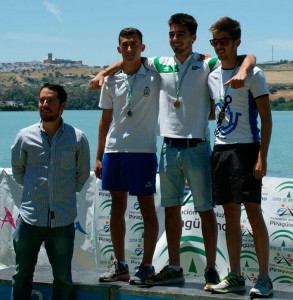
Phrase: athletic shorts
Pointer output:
(177, 165)
(232, 174)
(130, 172)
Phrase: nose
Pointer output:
(175, 37)
(45, 103)
(218, 45)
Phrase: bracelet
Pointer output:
(107, 72)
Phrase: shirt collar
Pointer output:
(141, 71)
(195, 58)
(40, 125)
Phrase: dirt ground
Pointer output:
(287, 94)
(283, 77)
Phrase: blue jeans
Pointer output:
(193, 164)
(59, 243)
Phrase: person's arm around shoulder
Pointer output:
(18, 159)
(263, 106)
(97, 82)
(104, 125)
(83, 163)
(247, 64)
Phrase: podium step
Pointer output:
(88, 287)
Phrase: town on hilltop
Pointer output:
(37, 65)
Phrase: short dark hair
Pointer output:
(228, 25)
(184, 19)
(61, 94)
(129, 31)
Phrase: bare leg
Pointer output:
(260, 236)
(233, 235)
(117, 223)
(151, 226)
(173, 225)
(210, 235)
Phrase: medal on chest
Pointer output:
(176, 104)
(178, 85)
(129, 89)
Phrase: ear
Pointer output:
(237, 42)
(62, 106)
(193, 38)
(119, 49)
(142, 47)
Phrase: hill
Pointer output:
(65, 76)
(22, 87)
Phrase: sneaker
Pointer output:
(230, 283)
(166, 276)
(116, 272)
(212, 278)
(144, 272)
(263, 287)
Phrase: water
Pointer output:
(280, 158)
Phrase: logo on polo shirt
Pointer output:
(146, 91)
(194, 68)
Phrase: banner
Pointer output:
(93, 245)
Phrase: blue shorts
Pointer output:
(130, 172)
(179, 164)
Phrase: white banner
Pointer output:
(93, 246)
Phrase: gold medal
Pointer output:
(176, 104)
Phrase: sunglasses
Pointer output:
(222, 41)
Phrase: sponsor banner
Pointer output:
(10, 197)
(93, 244)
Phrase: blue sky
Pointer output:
(87, 30)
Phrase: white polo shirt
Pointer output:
(191, 119)
(240, 122)
(138, 133)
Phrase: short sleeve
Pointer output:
(258, 84)
(106, 100)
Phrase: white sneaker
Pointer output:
(263, 287)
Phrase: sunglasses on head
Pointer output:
(222, 41)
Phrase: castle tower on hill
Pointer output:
(58, 61)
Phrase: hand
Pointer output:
(237, 81)
(204, 57)
(97, 82)
(98, 169)
(260, 169)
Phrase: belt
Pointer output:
(182, 143)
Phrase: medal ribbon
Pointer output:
(129, 87)
(178, 87)
(221, 100)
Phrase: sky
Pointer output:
(88, 30)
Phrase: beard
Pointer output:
(48, 116)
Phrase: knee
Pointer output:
(173, 212)
(232, 215)
(208, 214)
(118, 209)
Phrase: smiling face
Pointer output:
(130, 48)
(180, 39)
(50, 107)
(225, 52)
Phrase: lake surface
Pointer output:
(280, 158)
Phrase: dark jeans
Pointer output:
(59, 243)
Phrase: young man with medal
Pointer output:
(183, 122)
(239, 159)
(126, 158)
